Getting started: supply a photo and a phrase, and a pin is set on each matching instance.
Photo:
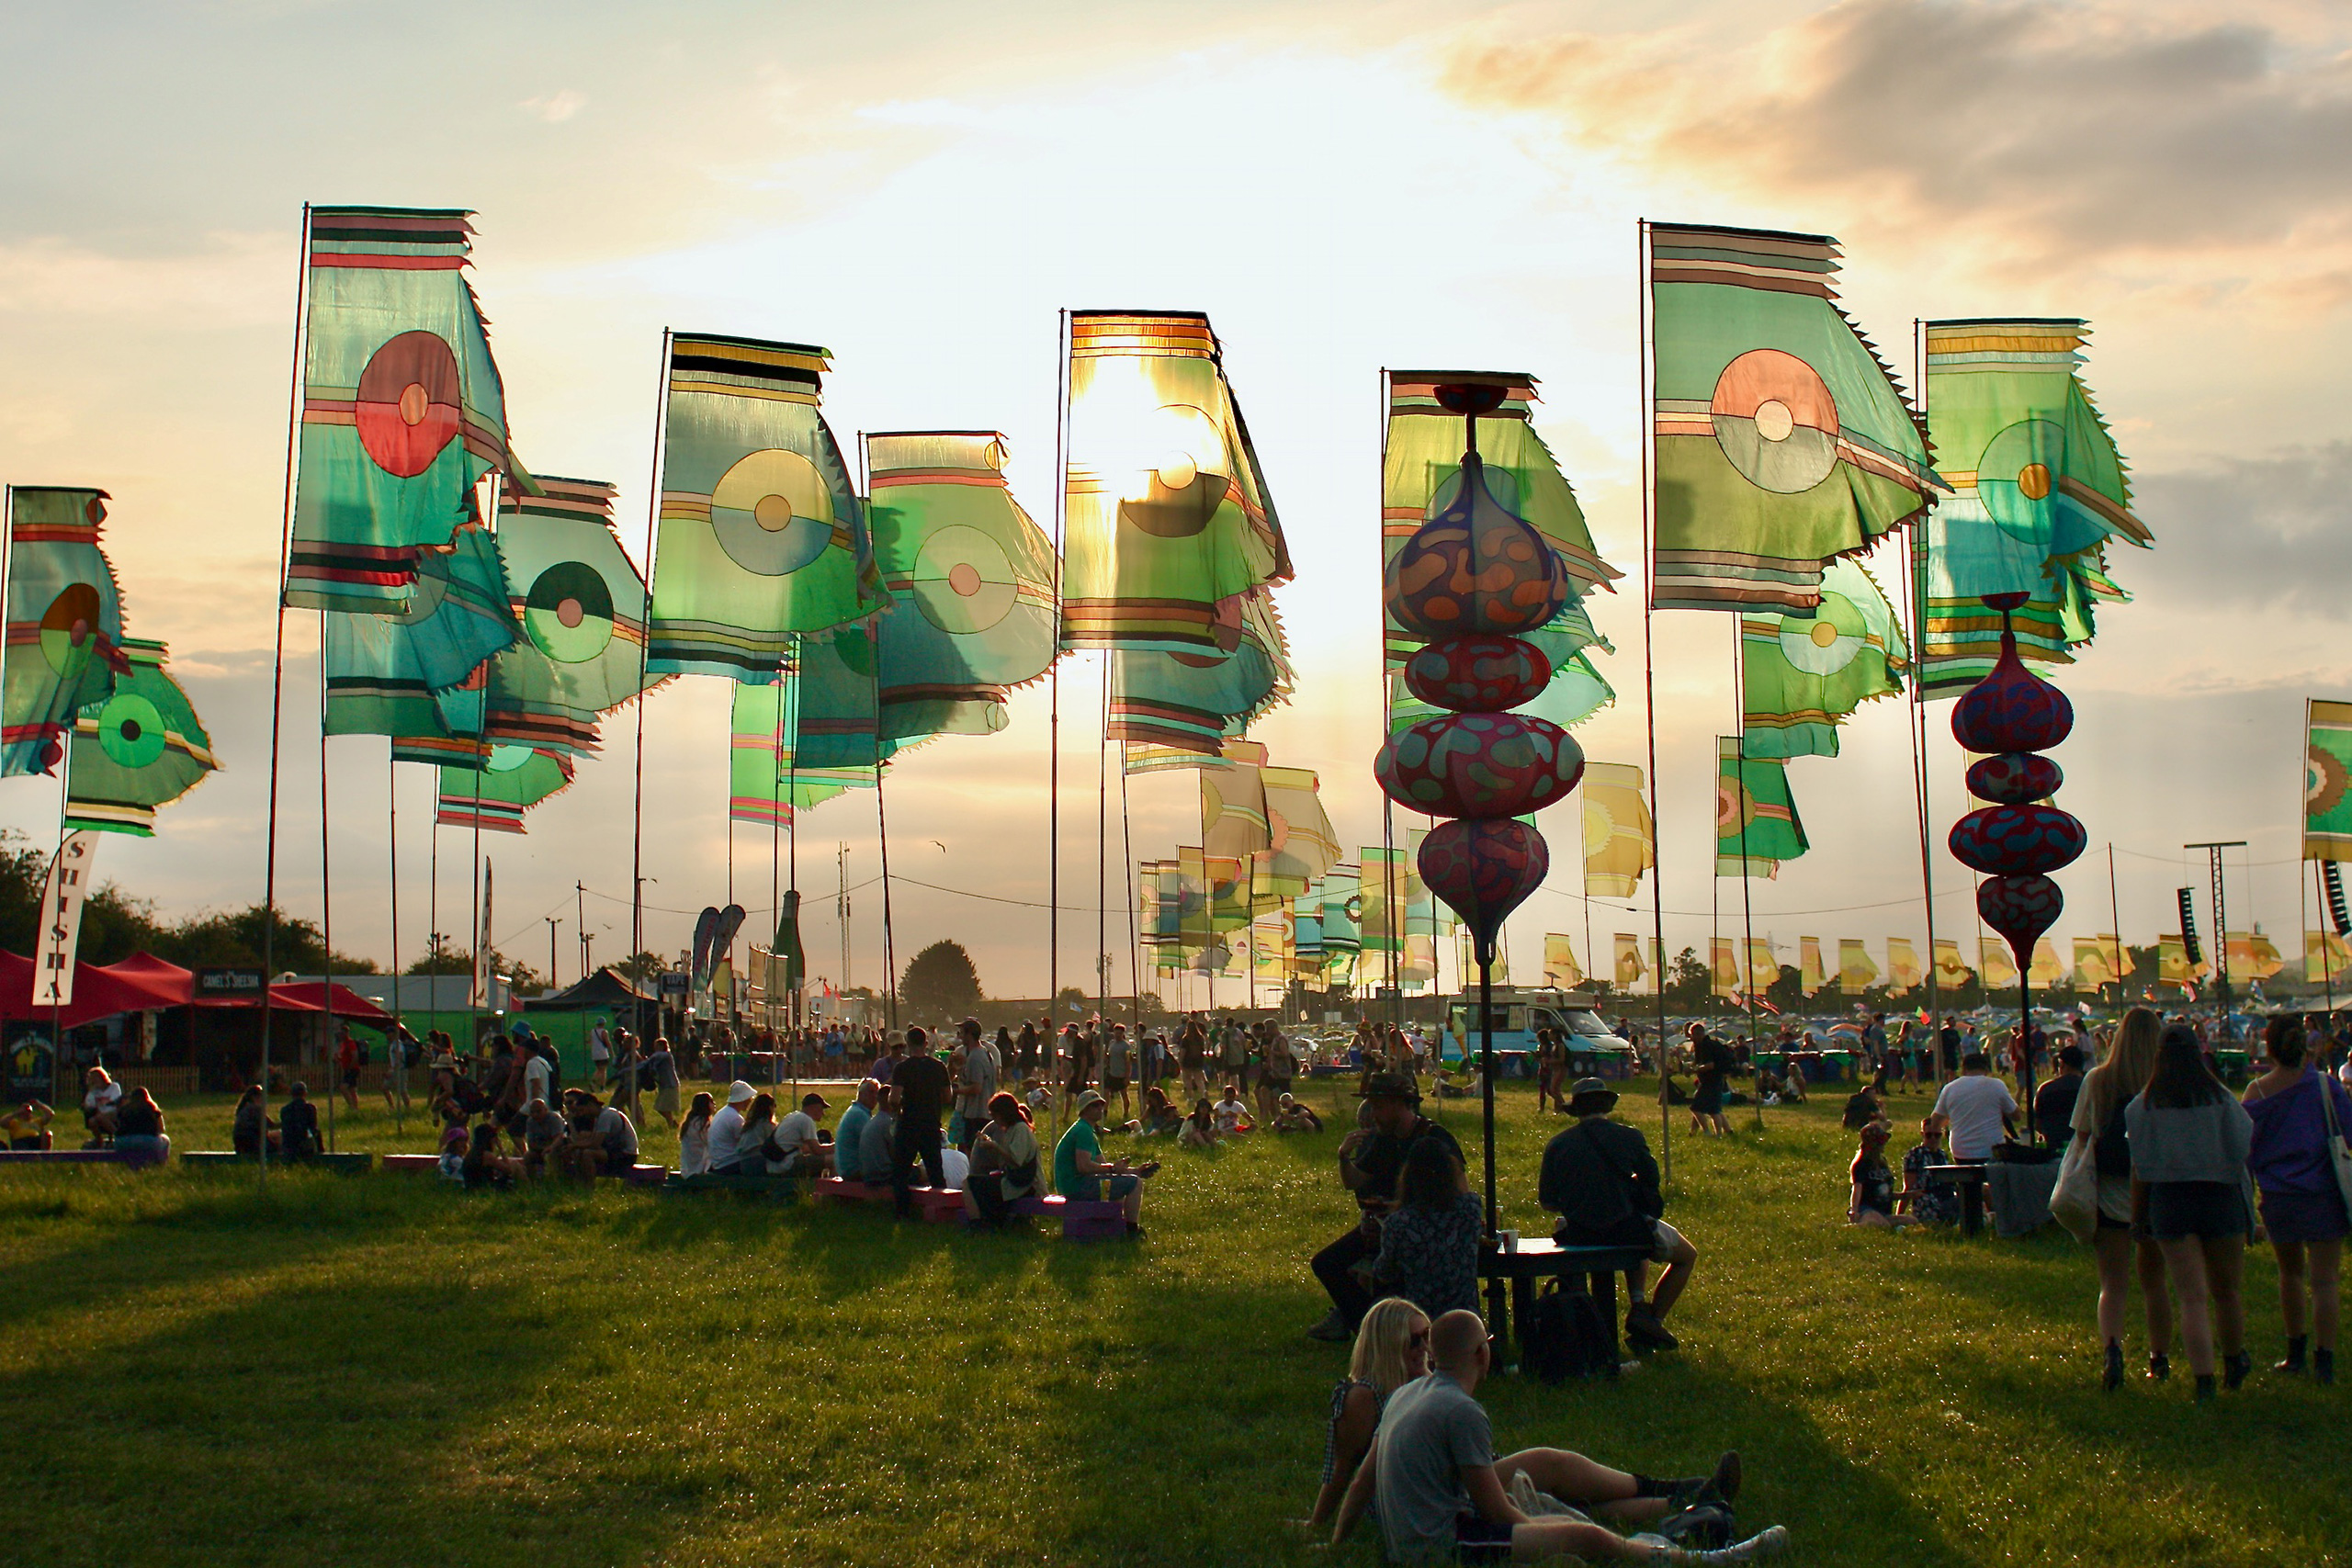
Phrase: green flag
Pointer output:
(766, 781)
(1756, 817)
(419, 673)
(2327, 782)
(1782, 440)
(2038, 487)
(761, 534)
(402, 412)
(579, 606)
(1801, 673)
(1191, 703)
(511, 779)
(142, 747)
(65, 636)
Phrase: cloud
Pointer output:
(556, 108)
(2051, 131)
(2282, 524)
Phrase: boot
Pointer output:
(1646, 1332)
(2111, 1377)
(2204, 1394)
(2294, 1361)
(2235, 1370)
(1695, 1491)
(1754, 1549)
(2323, 1366)
(2159, 1366)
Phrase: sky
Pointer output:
(1344, 186)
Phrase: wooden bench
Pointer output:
(134, 1158)
(938, 1204)
(1082, 1218)
(1970, 1179)
(758, 1184)
(415, 1165)
(1543, 1258)
(347, 1163)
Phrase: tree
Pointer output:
(1071, 999)
(940, 981)
(1689, 984)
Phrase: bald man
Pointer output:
(1442, 1492)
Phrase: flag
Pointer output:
(1855, 973)
(2039, 491)
(416, 673)
(1723, 967)
(493, 797)
(2098, 962)
(1782, 441)
(1803, 671)
(1270, 951)
(1560, 966)
(2173, 967)
(1192, 702)
(1763, 966)
(142, 747)
(1465, 958)
(2327, 768)
(1341, 892)
(1233, 803)
(767, 780)
(2325, 957)
(1810, 978)
(1617, 844)
(1307, 958)
(580, 604)
(971, 583)
(1422, 476)
(1228, 885)
(402, 410)
(1994, 963)
(1756, 817)
(2046, 970)
(58, 927)
(1166, 516)
(1301, 842)
(65, 633)
(1903, 971)
(2253, 956)
(1951, 969)
(760, 535)
(1630, 969)
(1391, 885)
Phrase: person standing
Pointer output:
(2054, 1102)
(2120, 1245)
(1711, 1065)
(977, 1071)
(2300, 1115)
(1978, 1107)
(1371, 1161)
(600, 1050)
(2189, 1141)
(400, 1051)
(1118, 1066)
(922, 1083)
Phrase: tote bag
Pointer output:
(2074, 1203)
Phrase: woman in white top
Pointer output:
(1004, 1162)
(693, 1137)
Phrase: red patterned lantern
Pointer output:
(1484, 870)
(1480, 764)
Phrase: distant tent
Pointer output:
(603, 989)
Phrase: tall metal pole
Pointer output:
(1486, 1065)
(1054, 683)
(644, 653)
(2221, 932)
(1649, 697)
(1916, 580)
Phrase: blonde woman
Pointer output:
(2122, 1249)
(1392, 1349)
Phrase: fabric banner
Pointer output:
(2327, 774)
(1763, 966)
(970, 578)
(1465, 959)
(1391, 885)
(1301, 842)
(1782, 440)
(762, 534)
(2045, 971)
(1307, 958)
(64, 631)
(1630, 968)
(1903, 972)
(2253, 956)
(1270, 947)
(1617, 834)
(1560, 966)
(1995, 966)
(417, 674)
(838, 712)
(1756, 817)
(1166, 518)
(1951, 969)
(1810, 976)
(1802, 672)
(1233, 803)
(2098, 962)
(1855, 973)
(580, 604)
(402, 410)
(493, 797)
(1723, 967)
(1342, 893)
(58, 926)
(142, 747)
(1193, 702)
(2325, 957)
(2039, 491)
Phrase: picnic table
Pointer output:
(1543, 1258)
(1970, 1179)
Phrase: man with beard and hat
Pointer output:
(1371, 1160)
(1599, 1178)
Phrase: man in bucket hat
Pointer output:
(1371, 1160)
(1600, 1178)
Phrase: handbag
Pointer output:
(2338, 1157)
(2074, 1203)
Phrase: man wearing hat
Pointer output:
(1600, 1178)
(1083, 1175)
(804, 1153)
(727, 1128)
(1371, 1160)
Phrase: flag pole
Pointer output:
(277, 676)
(1134, 955)
(1914, 572)
(328, 1044)
(644, 656)
(1053, 695)
(1746, 901)
(2116, 918)
(1649, 686)
(392, 823)
(1103, 859)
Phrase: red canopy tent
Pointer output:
(138, 984)
(306, 996)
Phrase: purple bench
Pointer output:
(132, 1158)
(1081, 1220)
(939, 1204)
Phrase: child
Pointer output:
(1200, 1127)
(1232, 1115)
(1873, 1198)
(1928, 1205)
(1290, 1116)
(1159, 1115)
(454, 1143)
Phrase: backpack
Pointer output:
(1565, 1336)
(1701, 1528)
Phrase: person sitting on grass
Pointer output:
(726, 1129)
(1004, 1162)
(694, 1136)
(1467, 1085)
(1199, 1128)
(297, 1124)
(1599, 1178)
(27, 1127)
(138, 1124)
(1429, 1247)
(1392, 1349)
(1872, 1179)
(484, 1165)
(1291, 1116)
(251, 1124)
(796, 1150)
(456, 1138)
(1160, 1116)
(1081, 1175)
(100, 1098)
(1232, 1113)
(1442, 1495)
(880, 1135)
(541, 1131)
(1928, 1204)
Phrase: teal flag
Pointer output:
(64, 636)
(579, 606)
(421, 673)
(142, 747)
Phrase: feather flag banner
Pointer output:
(1301, 842)
(142, 747)
(1756, 817)
(1995, 964)
(1190, 703)
(971, 583)
(1306, 956)
(418, 673)
(402, 410)
(1166, 514)
(1560, 966)
(762, 534)
(1617, 842)
(1903, 971)
(1781, 439)
(2327, 777)
(1810, 978)
(1629, 968)
(493, 797)
(2039, 492)
(64, 632)
(1855, 973)
(1951, 969)
(1801, 673)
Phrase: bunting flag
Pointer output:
(971, 582)
(1233, 804)
(142, 747)
(1617, 834)
(2039, 491)
(580, 604)
(65, 634)
(1723, 967)
(1855, 973)
(402, 411)
(1630, 970)
(1756, 817)
(1951, 969)
(1301, 842)
(2325, 957)
(493, 797)
(1189, 702)
(761, 534)
(1803, 671)
(2327, 777)
(1763, 966)
(1903, 972)
(1560, 966)
(1421, 476)
(2046, 970)
(1994, 965)
(1166, 518)
(1810, 978)
(1782, 441)
(2253, 956)
(2098, 962)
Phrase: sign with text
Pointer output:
(229, 986)
(61, 925)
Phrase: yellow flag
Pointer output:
(1629, 960)
(1467, 954)
(1560, 966)
(2172, 962)
(1763, 965)
(2325, 957)
(2098, 960)
(1809, 976)
(1951, 969)
(1723, 959)
(1903, 971)
(1855, 973)
(1994, 965)
(2046, 970)
(1617, 845)
(2253, 956)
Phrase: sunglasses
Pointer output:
(1418, 1337)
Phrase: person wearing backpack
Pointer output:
(1599, 1178)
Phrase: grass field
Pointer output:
(347, 1371)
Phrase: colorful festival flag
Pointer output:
(1465, 959)
(2046, 970)
(1341, 890)
(1903, 971)
(142, 747)
(580, 604)
(1233, 803)
(837, 703)
(2327, 777)
(1560, 966)
(1763, 966)
(1951, 969)
(493, 797)
(1630, 969)
(417, 673)
(1302, 844)
(1994, 963)
(1803, 671)
(2325, 957)
(1756, 817)
(402, 410)
(1723, 967)
(2038, 492)
(762, 534)
(64, 634)
(1192, 702)
(1617, 844)
(1855, 973)
(2253, 956)
(1782, 441)
(2098, 962)
(1810, 978)
(1391, 886)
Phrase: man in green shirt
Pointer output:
(1082, 1176)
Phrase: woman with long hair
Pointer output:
(2189, 1141)
(693, 1136)
(1200, 1127)
(2120, 1248)
(1429, 1245)
(2293, 1106)
(1392, 1349)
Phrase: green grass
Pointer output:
(383, 1370)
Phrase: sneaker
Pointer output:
(1642, 1327)
(2234, 1370)
(2111, 1376)
(2159, 1366)
(1754, 1549)
(1332, 1330)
